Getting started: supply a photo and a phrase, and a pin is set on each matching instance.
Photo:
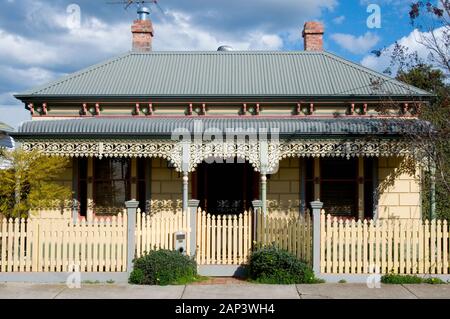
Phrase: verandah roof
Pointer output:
(164, 127)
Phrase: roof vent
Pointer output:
(225, 48)
(143, 13)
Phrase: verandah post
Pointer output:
(316, 208)
(185, 191)
(192, 210)
(131, 207)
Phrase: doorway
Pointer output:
(226, 188)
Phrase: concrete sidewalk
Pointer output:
(233, 291)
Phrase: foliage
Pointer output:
(137, 277)
(431, 18)
(30, 182)
(433, 281)
(164, 267)
(272, 265)
(409, 279)
(438, 113)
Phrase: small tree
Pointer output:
(28, 182)
(431, 18)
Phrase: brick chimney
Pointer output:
(313, 36)
(142, 30)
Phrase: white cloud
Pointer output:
(411, 41)
(18, 49)
(354, 44)
(180, 33)
(339, 20)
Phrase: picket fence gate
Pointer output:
(384, 246)
(223, 239)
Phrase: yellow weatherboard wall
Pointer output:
(399, 189)
(283, 188)
(166, 186)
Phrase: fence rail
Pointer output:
(384, 246)
(290, 232)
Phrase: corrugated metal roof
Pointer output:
(221, 74)
(122, 127)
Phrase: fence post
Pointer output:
(316, 207)
(257, 205)
(192, 210)
(75, 207)
(131, 207)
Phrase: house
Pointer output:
(5, 140)
(230, 127)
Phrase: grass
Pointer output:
(272, 281)
(189, 280)
(409, 279)
(342, 281)
(90, 282)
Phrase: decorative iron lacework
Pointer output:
(199, 152)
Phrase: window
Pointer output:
(339, 186)
(112, 184)
(141, 183)
(82, 185)
(309, 180)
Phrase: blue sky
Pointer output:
(41, 40)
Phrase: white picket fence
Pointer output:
(288, 231)
(223, 239)
(59, 245)
(384, 246)
(156, 231)
(43, 244)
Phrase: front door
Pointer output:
(225, 188)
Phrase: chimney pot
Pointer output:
(142, 30)
(313, 36)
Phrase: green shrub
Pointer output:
(272, 265)
(400, 279)
(434, 281)
(136, 277)
(409, 279)
(163, 267)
